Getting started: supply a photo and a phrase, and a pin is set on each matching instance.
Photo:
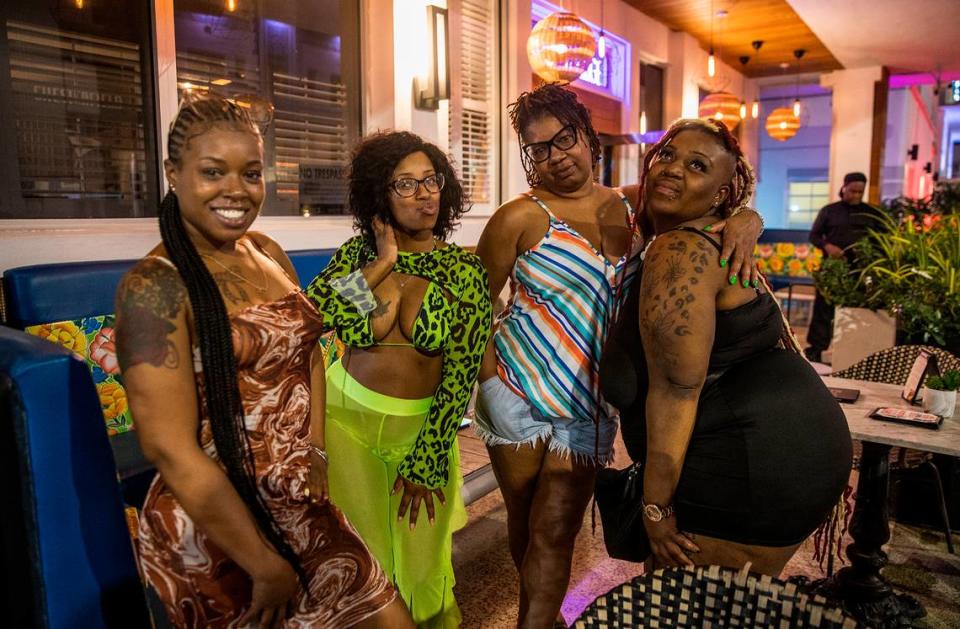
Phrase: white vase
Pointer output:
(942, 403)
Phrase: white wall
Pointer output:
(852, 125)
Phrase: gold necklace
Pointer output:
(261, 290)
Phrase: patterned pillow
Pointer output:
(92, 340)
(787, 258)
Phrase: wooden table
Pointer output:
(861, 588)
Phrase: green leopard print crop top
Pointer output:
(458, 328)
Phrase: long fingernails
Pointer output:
(745, 282)
(733, 280)
(707, 228)
(755, 283)
(723, 262)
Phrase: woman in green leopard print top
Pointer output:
(414, 314)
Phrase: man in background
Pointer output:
(837, 227)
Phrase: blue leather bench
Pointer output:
(68, 558)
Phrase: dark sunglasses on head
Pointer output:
(408, 186)
(563, 140)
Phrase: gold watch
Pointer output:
(655, 513)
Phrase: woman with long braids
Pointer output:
(414, 314)
(217, 347)
(744, 451)
(566, 247)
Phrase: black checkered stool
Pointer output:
(710, 596)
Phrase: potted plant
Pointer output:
(913, 270)
(940, 394)
(860, 326)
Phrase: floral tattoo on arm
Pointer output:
(148, 301)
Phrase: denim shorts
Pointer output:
(505, 418)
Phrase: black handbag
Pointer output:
(618, 494)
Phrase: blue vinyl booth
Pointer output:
(66, 547)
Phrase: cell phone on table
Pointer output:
(845, 395)
(907, 416)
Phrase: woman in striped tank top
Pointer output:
(569, 247)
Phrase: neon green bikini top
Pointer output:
(458, 328)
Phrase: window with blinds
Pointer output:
(473, 107)
(79, 140)
(279, 53)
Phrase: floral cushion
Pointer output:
(92, 340)
(787, 258)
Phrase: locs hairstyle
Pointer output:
(741, 184)
(551, 99)
(224, 408)
(371, 171)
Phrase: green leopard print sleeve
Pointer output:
(340, 313)
(462, 273)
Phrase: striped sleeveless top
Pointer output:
(564, 296)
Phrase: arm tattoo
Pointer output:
(381, 309)
(148, 301)
(666, 297)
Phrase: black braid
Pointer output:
(551, 99)
(214, 336)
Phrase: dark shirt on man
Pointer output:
(842, 224)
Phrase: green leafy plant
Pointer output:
(949, 381)
(840, 285)
(912, 268)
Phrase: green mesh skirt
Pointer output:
(367, 436)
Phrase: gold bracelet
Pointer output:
(320, 452)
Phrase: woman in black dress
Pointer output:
(744, 450)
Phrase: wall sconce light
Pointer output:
(430, 90)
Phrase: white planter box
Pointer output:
(942, 403)
(859, 332)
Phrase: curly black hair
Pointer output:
(371, 168)
(551, 99)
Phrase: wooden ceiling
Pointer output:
(772, 21)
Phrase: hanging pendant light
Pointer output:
(743, 110)
(601, 41)
(755, 106)
(561, 47)
(798, 53)
(722, 107)
(782, 124)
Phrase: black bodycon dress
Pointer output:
(770, 452)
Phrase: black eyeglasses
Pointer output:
(408, 186)
(564, 140)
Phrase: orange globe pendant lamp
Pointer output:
(561, 47)
(722, 107)
(782, 124)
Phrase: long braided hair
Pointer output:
(214, 336)
(551, 99)
(742, 185)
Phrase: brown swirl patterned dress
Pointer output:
(199, 585)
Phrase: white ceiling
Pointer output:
(905, 35)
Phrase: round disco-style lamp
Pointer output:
(561, 47)
(782, 124)
(721, 107)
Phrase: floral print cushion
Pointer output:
(787, 258)
(92, 340)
